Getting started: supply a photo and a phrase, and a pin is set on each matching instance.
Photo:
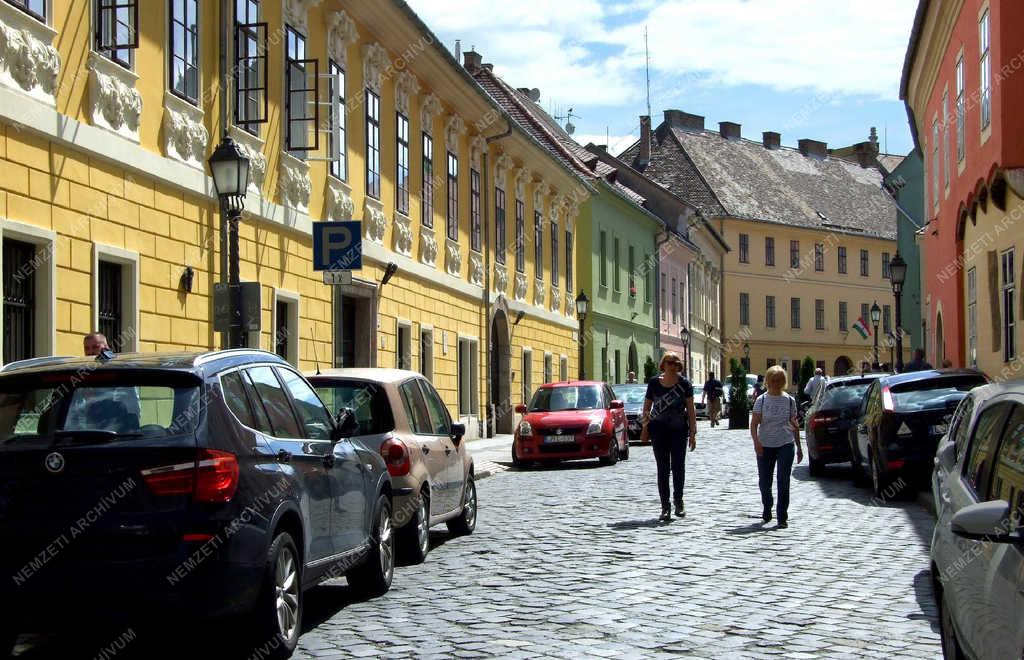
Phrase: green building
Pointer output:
(905, 182)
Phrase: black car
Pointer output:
(632, 397)
(829, 418)
(901, 421)
(205, 484)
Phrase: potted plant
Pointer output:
(739, 402)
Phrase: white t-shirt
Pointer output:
(777, 411)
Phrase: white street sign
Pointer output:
(337, 277)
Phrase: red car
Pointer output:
(565, 421)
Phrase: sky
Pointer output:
(822, 69)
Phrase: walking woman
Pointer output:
(776, 434)
(669, 419)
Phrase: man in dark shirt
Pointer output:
(918, 363)
(713, 390)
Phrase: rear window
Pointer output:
(368, 400)
(845, 396)
(631, 394)
(933, 394)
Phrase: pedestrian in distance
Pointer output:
(759, 386)
(776, 435)
(918, 363)
(631, 377)
(669, 421)
(814, 383)
(94, 343)
(713, 391)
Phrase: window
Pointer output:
(631, 270)
(604, 364)
(865, 313)
(520, 236)
(819, 257)
(427, 353)
(372, 145)
(184, 49)
(302, 110)
(1009, 296)
(548, 375)
(986, 434)
(972, 317)
(440, 420)
(769, 251)
(554, 254)
(936, 194)
(416, 408)
(368, 401)
(499, 225)
(538, 245)
(648, 274)
(986, 71)
(844, 325)
(744, 249)
(19, 274)
(961, 112)
(474, 210)
(427, 199)
(34, 8)
(675, 308)
(886, 319)
(961, 424)
(251, 66)
(338, 142)
(568, 261)
(865, 263)
(842, 260)
(945, 139)
(286, 322)
(117, 34)
(744, 309)
(110, 301)
(314, 419)
(527, 377)
(794, 254)
(616, 282)
(1008, 469)
(664, 283)
(885, 265)
(236, 399)
(469, 357)
(794, 313)
(819, 314)
(453, 197)
(563, 368)
(602, 247)
(273, 404)
(769, 311)
(402, 163)
(403, 346)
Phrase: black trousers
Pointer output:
(772, 459)
(670, 455)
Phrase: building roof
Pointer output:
(890, 162)
(743, 179)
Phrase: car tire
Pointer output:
(624, 454)
(951, 649)
(414, 537)
(516, 461)
(880, 482)
(465, 522)
(374, 577)
(857, 474)
(613, 454)
(816, 467)
(278, 613)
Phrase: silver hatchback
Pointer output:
(978, 544)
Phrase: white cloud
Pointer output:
(616, 143)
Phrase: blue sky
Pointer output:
(821, 69)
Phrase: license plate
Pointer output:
(558, 439)
(939, 429)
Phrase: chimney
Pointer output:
(472, 61)
(644, 157)
(684, 120)
(771, 140)
(813, 148)
(729, 130)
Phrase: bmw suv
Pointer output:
(210, 484)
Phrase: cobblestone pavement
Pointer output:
(571, 561)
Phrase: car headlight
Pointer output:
(595, 428)
(525, 430)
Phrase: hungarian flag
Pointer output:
(862, 328)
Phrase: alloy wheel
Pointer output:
(385, 544)
(423, 529)
(286, 588)
(469, 508)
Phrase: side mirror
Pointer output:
(616, 405)
(986, 521)
(521, 409)
(346, 424)
(947, 457)
(458, 431)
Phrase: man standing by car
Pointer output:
(94, 343)
(918, 363)
(812, 385)
(713, 390)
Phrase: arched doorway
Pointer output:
(842, 366)
(940, 346)
(633, 360)
(500, 368)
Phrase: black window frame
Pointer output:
(251, 80)
(794, 313)
(427, 196)
(297, 64)
(452, 189)
(338, 167)
(19, 298)
(886, 273)
(26, 6)
(520, 236)
(744, 308)
(499, 225)
(842, 265)
(744, 253)
(372, 169)
(844, 316)
(769, 251)
(475, 236)
(819, 313)
(282, 309)
(865, 263)
(107, 18)
(554, 254)
(568, 261)
(402, 163)
(190, 41)
(794, 254)
(769, 311)
(819, 257)
(538, 245)
(110, 302)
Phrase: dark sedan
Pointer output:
(632, 397)
(830, 417)
(901, 421)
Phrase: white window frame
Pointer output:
(129, 291)
(936, 164)
(1008, 302)
(563, 367)
(468, 378)
(549, 373)
(527, 374)
(399, 348)
(293, 300)
(427, 360)
(961, 110)
(985, 65)
(945, 142)
(972, 316)
(45, 241)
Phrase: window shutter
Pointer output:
(993, 298)
(251, 74)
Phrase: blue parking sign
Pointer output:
(337, 245)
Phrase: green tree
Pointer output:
(806, 374)
(739, 403)
(650, 369)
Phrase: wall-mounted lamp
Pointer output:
(188, 276)
(389, 272)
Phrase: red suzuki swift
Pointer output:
(565, 421)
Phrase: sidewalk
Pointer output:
(487, 452)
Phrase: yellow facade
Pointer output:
(103, 164)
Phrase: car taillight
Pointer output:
(212, 477)
(396, 456)
(821, 419)
(887, 402)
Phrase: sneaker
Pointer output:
(783, 524)
(766, 516)
(666, 515)
(680, 510)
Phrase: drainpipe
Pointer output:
(657, 286)
(485, 202)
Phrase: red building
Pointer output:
(963, 84)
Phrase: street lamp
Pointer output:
(230, 169)
(684, 336)
(898, 275)
(876, 316)
(746, 356)
(582, 306)
(891, 341)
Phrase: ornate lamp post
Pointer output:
(582, 307)
(684, 336)
(898, 275)
(230, 169)
(891, 341)
(876, 316)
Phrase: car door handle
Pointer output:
(426, 449)
(284, 456)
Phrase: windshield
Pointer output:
(933, 394)
(553, 399)
(369, 401)
(631, 394)
(120, 406)
(844, 396)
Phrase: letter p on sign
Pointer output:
(337, 246)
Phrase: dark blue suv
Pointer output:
(213, 484)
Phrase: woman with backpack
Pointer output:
(776, 434)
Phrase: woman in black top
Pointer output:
(668, 418)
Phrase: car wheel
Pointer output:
(414, 538)
(857, 468)
(465, 523)
(879, 481)
(950, 644)
(373, 578)
(278, 610)
(816, 467)
(516, 461)
(625, 452)
(613, 454)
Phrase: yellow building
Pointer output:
(109, 220)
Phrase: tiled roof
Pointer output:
(672, 169)
(890, 162)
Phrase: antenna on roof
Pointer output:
(647, 51)
(570, 128)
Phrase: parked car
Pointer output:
(401, 416)
(632, 396)
(977, 547)
(701, 408)
(571, 420)
(727, 388)
(829, 417)
(901, 420)
(211, 484)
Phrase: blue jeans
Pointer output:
(670, 455)
(770, 457)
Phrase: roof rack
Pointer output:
(35, 362)
(229, 352)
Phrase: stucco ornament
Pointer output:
(556, 300)
(430, 108)
(476, 268)
(502, 166)
(27, 60)
(520, 289)
(453, 258)
(500, 278)
(293, 184)
(401, 235)
(477, 147)
(250, 146)
(115, 104)
(375, 62)
(538, 292)
(340, 206)
(342, 33)
(296, 12)
(570, 303)
(540, 191)
(428, 247)
(522, 178)
(454, 129)
(374, 222)
(406, 86)
(185, 136)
